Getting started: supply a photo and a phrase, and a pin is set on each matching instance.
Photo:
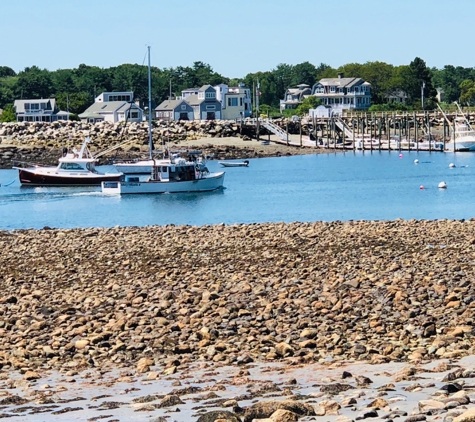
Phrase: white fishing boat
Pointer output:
(75, 168)
(174, 176)
(463, 135)
(168, 175)
(244, 163)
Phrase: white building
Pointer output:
(113, 107)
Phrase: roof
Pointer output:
(20, 104)
(194, 100)
(205, 87)
(170, 104)
(341, 82)
(87, 115)
(107, 107)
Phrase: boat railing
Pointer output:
(25, 164)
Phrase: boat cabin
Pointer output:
(65, 164)
(178, 170)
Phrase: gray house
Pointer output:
(294, 96)
(43, 110)
(174, 110)
(205, 104)
(343, 93)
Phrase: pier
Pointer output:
(421, 131)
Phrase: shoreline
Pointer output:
(154, 304)
(225, 148)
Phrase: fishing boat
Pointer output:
(172, 174)
(75, 168)
(463, 135)
(244, 163)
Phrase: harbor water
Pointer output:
(321, 187)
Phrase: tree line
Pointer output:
(75, 89)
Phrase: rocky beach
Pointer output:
(44, 143)
(303, 321)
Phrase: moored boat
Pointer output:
(75, 168)
(463, 135)
(244, 163)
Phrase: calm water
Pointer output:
(342, 186)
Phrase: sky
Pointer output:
(235, 37)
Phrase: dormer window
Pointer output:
(210, 95)
(332, 89)
(201, 95)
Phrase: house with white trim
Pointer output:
(294, 96)
(174, 110)
(343, 93)
(236, 102)
(44, 110)
(205, 105)
(113, 107)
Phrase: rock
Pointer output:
(170, 400)
(266, 409)
(467, 416)
(31, 375)
(216, 415)
(143, 365)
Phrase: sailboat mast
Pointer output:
(150, 140)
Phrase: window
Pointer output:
(71, 166)
(183, 107)
(134, 114)
(332, 89)
(201, 95)
(210, 107)
(233, 102)
(210, 95)
(119, 98)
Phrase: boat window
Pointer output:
(164, 169)
(71, 166)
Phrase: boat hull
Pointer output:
(209, 183)
(224, 164)
(44, 178)
(460, 146)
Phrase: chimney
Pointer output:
(340, 75)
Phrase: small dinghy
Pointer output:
(244, 163)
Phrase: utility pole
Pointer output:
(422, 94)
(257, 108)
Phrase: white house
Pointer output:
(44, 110)
(113, 107)
(343, 93)
(236, 102)
(294, 96)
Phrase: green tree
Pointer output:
(417, 78)
(75, 102)
(307, 104)
(467, 92)
(8, 114)
(304, 73)
(6, 71)
(34, 83)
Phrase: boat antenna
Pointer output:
(150, 139)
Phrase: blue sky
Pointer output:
(235, 37)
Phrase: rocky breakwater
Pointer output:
(299, 293)
(44, 142)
